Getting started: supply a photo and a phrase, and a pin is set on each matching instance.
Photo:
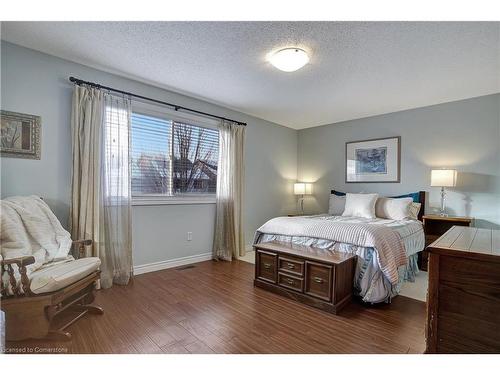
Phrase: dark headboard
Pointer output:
(418, 197)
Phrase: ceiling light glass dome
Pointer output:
(289, 59)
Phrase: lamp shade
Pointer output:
(443, 177)
(302, 188)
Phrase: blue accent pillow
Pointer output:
(414, 196)
(337, 193)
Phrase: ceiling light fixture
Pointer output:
(289, 59)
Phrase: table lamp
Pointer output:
(443, 178)
(302, 188)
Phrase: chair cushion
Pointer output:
(57, 276)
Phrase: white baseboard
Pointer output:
(171, 263)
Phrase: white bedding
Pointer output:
(392, 240)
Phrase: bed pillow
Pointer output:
(337, 205)
(393, 208)
(360, 205)
(414, 210)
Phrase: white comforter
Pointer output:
(385, 236)
(28, 227)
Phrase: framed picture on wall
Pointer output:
(373, 160)
(19, 135)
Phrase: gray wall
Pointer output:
(464, 135)
(36, 83)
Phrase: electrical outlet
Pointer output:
(189, 236)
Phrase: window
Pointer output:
(171, 158)
(116, 150)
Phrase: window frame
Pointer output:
(172, 115)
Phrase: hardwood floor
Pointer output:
(213, 307)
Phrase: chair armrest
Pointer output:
(21, 263)
(83, 242)
(81, 246)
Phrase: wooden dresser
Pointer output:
(317, 277)
(434, 227)
(463, 302)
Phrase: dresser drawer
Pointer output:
(291, 265)
(291, 282)
(267, 266)
(319, 280)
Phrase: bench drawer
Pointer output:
(319, 280)
(291, 282)
(267, 266)
(291, 265)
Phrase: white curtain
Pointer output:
(101, 194)
(229, 238)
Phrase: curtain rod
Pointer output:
(176, 107)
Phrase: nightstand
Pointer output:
(434, 227)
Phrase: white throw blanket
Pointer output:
(386, 241)
(28, 227)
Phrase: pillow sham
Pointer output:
(360, 205)
(393, 208)
(337, 205)
(414, 210)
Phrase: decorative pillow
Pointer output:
(360, 205)
(393, 208)
(414, 210)
(337, 205)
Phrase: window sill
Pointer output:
(140, 201)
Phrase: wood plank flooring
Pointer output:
(213, 307)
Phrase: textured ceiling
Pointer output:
(357, 69)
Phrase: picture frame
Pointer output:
(373, 160)
(19, 135)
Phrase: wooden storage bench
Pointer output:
(317, 277)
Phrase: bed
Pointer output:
(387, 250)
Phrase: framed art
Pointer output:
(373, 160)
(19, 135)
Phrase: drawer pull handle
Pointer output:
(290, 265)
(267, 266)
(319, 280)
(289, 281)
